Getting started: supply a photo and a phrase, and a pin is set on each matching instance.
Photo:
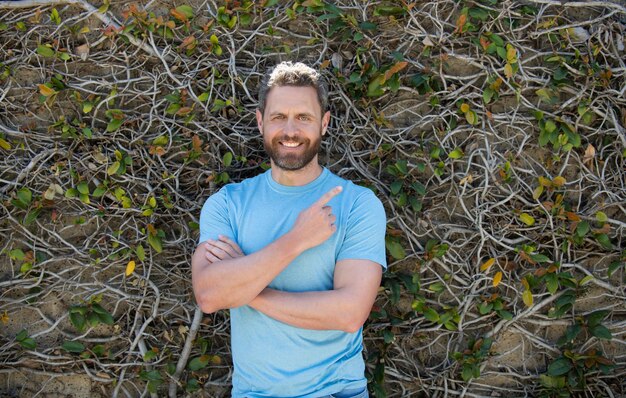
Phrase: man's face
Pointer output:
(292, 126)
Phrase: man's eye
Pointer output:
(304, 118)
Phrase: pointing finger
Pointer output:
(321, 202)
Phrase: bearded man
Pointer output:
(296, 254)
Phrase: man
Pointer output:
(314, 255)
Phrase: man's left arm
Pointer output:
(345, 307)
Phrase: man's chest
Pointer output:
(259, 224)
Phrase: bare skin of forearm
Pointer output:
(235, 282)
(320, 310)
(345, 308)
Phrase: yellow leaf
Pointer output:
(544, 182)
(5, 317)
(511, 54)
(46, 91)
(559, 181)
(465, 107)
(527, 297)
(497, 278)
(525, 282)
(5, 145)
(508, 70)
(527, 219)
(537, 192)
(487, 264)
(130, 268)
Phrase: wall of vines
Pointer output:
(493, 132)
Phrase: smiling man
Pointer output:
(296, 254)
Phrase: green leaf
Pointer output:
(559, 367)
(83, 187)
(586, 280)
(601, 217)
(552, 382)
(604, 240)
(501, 52)
(152, 375)
(582, 228)
(73, 346)
(141, 253)
(31, 216)
(552, 283)
(478, 13)
(161, 140)
(203, 97)
(386, 11)
(22, 335)
(468, 372)
(471, 117)
(614, 266)
(17, 254)
(155, 242)
(395, 249)
(25, 196)
(506, 315)
(488, 95)
(114, 124)
(601, 332)
(198, 363)
(186, 10)
(596, 317)
(431, 315)
(456, 154)
(366, 25)
(374, 89)
(45, 51)
(28, 343)
(114, 168)
(396, 187)
(227, 159)
(78, 320)
(54, 16)
(540, 258)
(99, 191)
(106, 318)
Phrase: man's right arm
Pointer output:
(233, 282)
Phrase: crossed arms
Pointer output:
(223, 277)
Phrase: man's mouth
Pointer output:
(290, 144)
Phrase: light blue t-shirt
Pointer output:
(271, 358)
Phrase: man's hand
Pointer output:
(316, 224)
(221, 249)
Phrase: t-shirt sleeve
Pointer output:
(365, 231)
(214, 219)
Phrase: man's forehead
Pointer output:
(293, 96)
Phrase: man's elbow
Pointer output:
(352, 323)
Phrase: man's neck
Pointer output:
(296, 178)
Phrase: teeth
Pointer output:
(290, 144)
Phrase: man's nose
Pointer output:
(290, 127)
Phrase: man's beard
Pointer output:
(292, 161)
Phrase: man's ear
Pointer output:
(259, 120)
(325, 122)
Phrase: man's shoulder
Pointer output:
(351, 188)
